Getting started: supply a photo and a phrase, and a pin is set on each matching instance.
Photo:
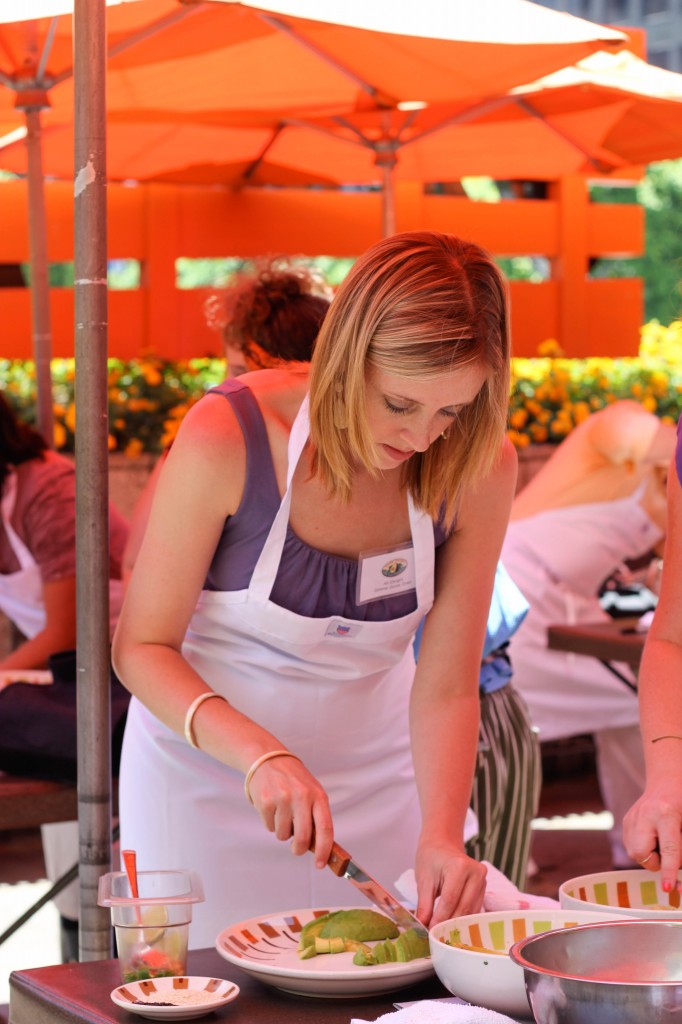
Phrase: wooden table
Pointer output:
(79, 994)
(611, 641)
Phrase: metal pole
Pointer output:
(388, 200)
(92, 487)
(40, 291)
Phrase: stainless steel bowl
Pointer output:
(615, 972)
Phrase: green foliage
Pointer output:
(660, 193)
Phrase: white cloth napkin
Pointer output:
(500, 892)
(430, 1011)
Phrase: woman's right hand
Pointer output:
(653, 830)
(293, 805)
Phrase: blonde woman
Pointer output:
(267, 650)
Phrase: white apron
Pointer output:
(335, 691)
(558, 559)
(21, 592)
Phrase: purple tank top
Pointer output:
(309, 582)
(678, 451)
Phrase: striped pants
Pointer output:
(507, 784)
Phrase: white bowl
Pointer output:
(635, 893)
(492, 979)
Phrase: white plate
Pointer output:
(125, 996)
(266, 947)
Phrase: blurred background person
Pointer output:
(508, 774)
(38, 595)
(268, 318)
(598, 502)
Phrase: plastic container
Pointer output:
(152, 931)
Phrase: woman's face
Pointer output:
(406, 415)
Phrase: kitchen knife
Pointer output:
(343, 866)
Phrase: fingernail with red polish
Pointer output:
(666, 886)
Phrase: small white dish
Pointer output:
(266, 947)
(166, 989)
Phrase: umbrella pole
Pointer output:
(388, 200)
(92, 482)
(40, 292)
(385, 158)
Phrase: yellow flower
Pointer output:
(70, 418)
(59, 435)
(538, 433)
(518, 418)
(170, 430)
(581, 411)
(517, 439)
(550, 348)
(134, 448)
(152, 376)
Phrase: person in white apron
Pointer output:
(653, 825)
(317, 691)
(31, 475)
(598, 502)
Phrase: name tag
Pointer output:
(340, 629)
(385, 573)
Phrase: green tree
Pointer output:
(661, 194)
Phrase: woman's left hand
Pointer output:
(444, 871)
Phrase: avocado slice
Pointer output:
(313, 928)
(364, 925)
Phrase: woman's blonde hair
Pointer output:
(416, 305)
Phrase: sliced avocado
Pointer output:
(365, 925)
(353, 946)
(391, 954)
(306, 952)
(335, 945)
(414, 944)
(313, 928)
(380, 952)
(364, 958)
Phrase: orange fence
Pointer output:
(156, 224)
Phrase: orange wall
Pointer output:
(157, 223)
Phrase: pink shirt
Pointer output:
(44, 517)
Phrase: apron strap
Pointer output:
(265, 572)
(9, 497)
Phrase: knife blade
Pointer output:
(343, 866)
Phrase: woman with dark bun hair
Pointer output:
(270, 316)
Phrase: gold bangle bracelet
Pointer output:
(258, 762)
(191, 712)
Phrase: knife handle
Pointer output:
(339, 859)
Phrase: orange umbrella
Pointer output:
(252, 66)
(295, 57)
(607, 112)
